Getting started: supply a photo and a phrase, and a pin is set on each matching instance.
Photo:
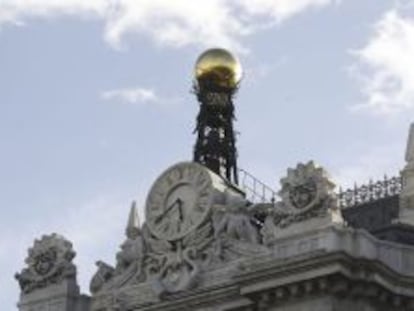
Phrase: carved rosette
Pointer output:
(49, 262)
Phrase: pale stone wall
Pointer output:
(333, 303)
(58, 297)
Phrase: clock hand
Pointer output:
(158, 219)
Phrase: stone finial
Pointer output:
(49, 262)
(133, 228)
(409, 153)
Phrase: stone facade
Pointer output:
(204, 247)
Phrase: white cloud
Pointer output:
(131, 95)
(17, 11)
(176, 23)
(385, 66)
(281, 9)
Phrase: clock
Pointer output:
(181, 198)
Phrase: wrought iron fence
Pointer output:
(370, 192)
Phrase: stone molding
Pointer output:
(335, 274)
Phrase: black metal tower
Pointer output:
(215, 88)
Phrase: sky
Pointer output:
(95, 102)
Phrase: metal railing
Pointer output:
(256, 191)
(373, 191)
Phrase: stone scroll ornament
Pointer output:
(307, 192)
(49, 262)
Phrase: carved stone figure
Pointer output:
(49, 262)
(129, 266)
(103, 275)
(234, 222)
(236, 233)
(133, 249)
(132, 252)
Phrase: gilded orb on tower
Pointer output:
(219, 69)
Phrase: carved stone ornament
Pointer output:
(49, 262)
(192, 226)
(306, 193)
(305, 187)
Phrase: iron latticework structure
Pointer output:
(217, 77)
(216, 142)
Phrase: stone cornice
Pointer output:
(329, 261)
(276, 282)
(328, 274)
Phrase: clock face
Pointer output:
(179, 200)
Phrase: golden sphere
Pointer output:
(218, 68)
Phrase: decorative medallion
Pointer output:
(305, 187)
(49, 262)
(307, 193)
